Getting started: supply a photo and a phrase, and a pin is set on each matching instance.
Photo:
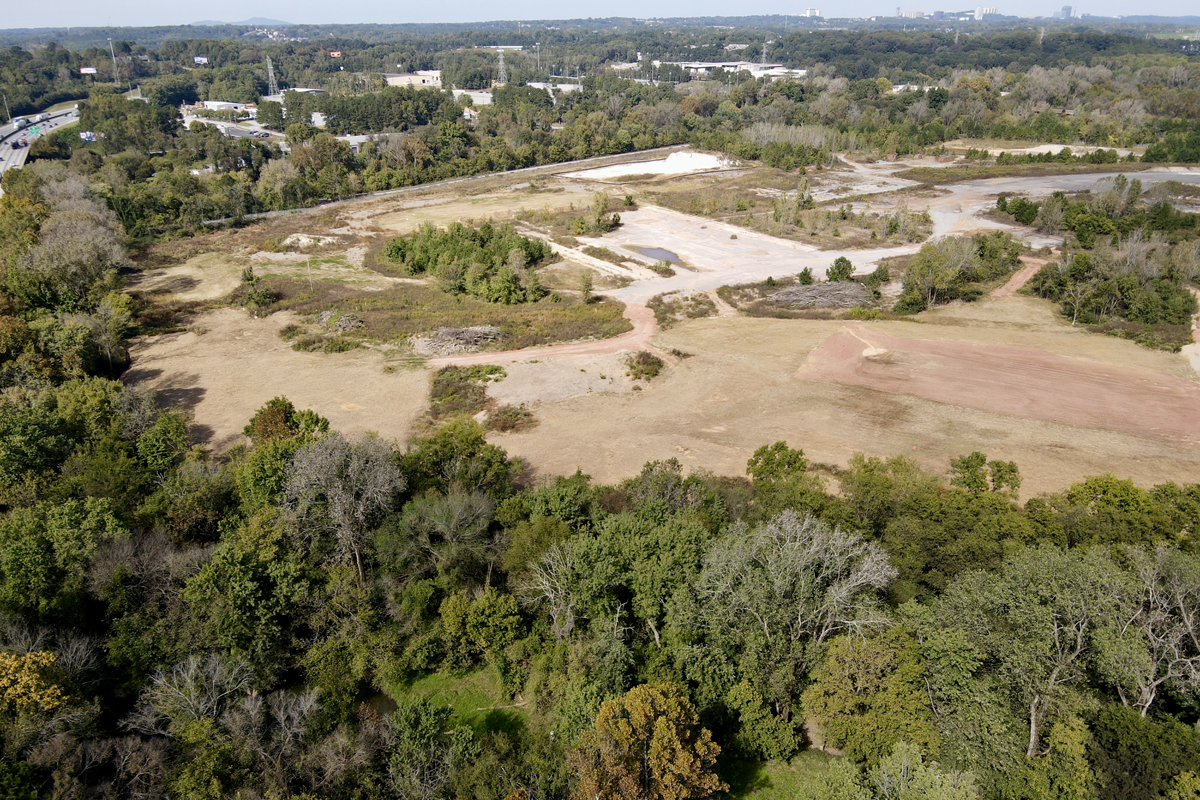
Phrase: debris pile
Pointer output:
(341, 323)
(453, 341)
(835, 294)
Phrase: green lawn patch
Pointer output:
(775, 780)
(476, 699)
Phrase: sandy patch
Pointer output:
(205, 277)
(1013, 380)
(674, 164)
(741, 390)
(536, 382)
(395, 218)
(225, 375)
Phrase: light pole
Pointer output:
(111, 52)
(6, 111)
(538, 45)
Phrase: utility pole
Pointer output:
(538, 45)
(111, 52)
(272, 87)
(6, 111)
(501, 71)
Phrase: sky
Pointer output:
(87, 13)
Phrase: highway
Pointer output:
(12, 156)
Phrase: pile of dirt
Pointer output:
(835, 294)
(302, 241)
(453, 341)
(342, 323)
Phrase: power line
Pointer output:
(272, 87)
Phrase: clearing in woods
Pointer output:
(1005, 375)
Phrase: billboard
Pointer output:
(335, 53)
(200, 59)
(87, 70)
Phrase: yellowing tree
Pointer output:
(25, 683)
(647, 745)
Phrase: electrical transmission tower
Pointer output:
(272, 87)
(501, 70)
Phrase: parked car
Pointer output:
(262, 135)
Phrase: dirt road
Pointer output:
(1020, 277)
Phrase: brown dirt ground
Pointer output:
(224, 375)
(748, 385)
(1004, 375)
(1013, 380)
(1029, 268)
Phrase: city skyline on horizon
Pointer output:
(135, 13)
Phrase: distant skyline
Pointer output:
(77, 13)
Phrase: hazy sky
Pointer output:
(27, 14)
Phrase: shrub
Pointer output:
(460, 391)
(510, 418)
(842, 270)
(644, 366)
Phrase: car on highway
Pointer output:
(23, 143)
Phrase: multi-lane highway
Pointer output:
(13, 155)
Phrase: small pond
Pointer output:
(658, 254)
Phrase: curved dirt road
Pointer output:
(644, 327)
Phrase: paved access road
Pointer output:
(13, 156)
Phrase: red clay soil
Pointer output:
(644, 326)
(1018, 381)
(1020, 277)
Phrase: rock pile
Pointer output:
(453, 341)
(835, 294)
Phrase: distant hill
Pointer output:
(258, 21)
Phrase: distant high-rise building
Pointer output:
(913, 14)
(937, 15)
(812, 12)
(1065, 13)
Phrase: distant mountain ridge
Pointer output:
(269, 23)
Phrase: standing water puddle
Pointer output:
(658, 254)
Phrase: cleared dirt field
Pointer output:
(224, 375)
(1004, 375)
(1012, 380)
(751, 382)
